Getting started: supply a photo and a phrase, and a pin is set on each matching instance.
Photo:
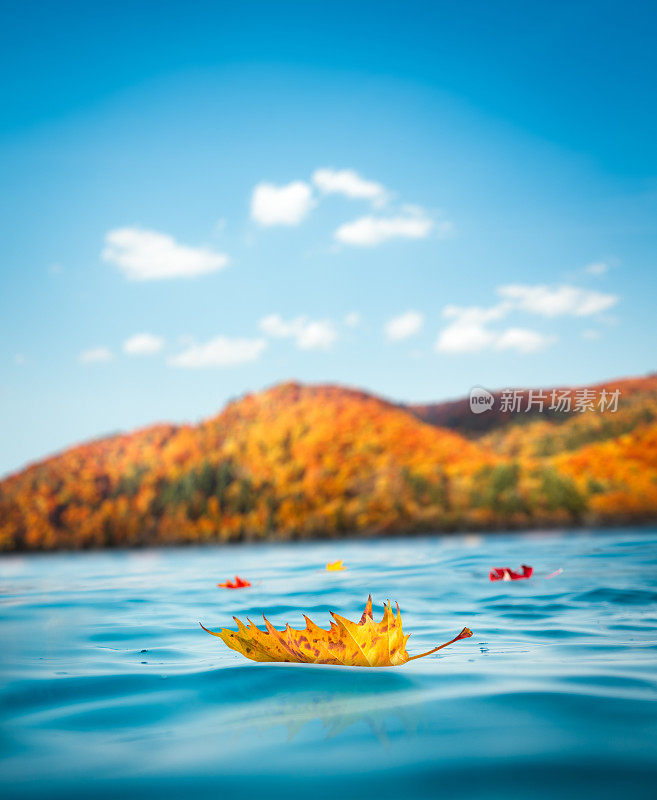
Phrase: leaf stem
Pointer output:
(465, 633)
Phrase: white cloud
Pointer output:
(19, 359)
(469, 332)
(523, 340)
(370, 231)
(476, 314)
(596, 268)
(274, 325)
(143, 344)
(557, 301)
(281, 205)
(403, 326)
(591, 334)
(146, 255)
(348, 183)
(352, 319)
(219, 352)
(317, 336)
(308, 334)
(463, 339)
(95, 355)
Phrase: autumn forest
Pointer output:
(302, 461)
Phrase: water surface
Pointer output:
(109, 687)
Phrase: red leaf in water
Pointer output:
(238, 583)
(506, 574)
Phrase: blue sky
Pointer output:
(203, 199)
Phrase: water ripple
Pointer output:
(108, 681)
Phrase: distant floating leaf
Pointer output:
(238, 583)
(506, 574)
(555, 573)
(363, 644)
(335, 566)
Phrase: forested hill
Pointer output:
(299, 461)
(637, 398)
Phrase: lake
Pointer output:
(110, 687)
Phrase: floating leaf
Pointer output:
(353, 644)
(506, 574)
(238, 583)
(554, 574)
(335, 566)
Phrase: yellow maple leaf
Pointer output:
(335, 566)
(352, 644)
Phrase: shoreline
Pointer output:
(593, 527)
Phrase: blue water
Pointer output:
(110, 688)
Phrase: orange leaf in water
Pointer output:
(352, 644)
(238, 583)
(335, 566)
